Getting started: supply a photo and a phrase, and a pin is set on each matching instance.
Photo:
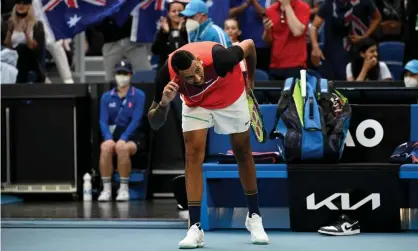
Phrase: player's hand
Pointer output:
(108, 146)
(170, 92)
(267, 23)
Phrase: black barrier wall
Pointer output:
(165, 147)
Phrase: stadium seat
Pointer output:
(261, 75)
(392, 54)
(144, 76)
(154, 61)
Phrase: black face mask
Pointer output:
(21, 15)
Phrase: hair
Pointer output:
(30, 17)
(357, 62)
(182, 60)
(233, 19)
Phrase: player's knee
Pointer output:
(195, 154)
(107, 147)
(122, 150)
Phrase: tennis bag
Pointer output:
(312, 128)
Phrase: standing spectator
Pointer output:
(8, 60)
(411, 73)
(121, 111)
(250, 15)
(117, 46)
(172, 33)
(346, 22)
(285, 29)
(201, 28)
(366, 65)
(27, 37)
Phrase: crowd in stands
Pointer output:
(354, 40)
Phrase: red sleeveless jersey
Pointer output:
(217, 92)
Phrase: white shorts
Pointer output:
(232, 119)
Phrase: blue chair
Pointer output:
(261, 75)
(392, 54)
(144, 76)
(154, 61)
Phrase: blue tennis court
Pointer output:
(70, 239)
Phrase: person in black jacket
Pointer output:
(172, 33)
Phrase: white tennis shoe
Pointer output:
(123, 195)
(193, 239)
(105, 196)
(255, 226)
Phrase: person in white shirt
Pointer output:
(366, 65)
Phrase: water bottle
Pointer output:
(87, 194)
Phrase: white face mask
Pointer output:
(192, 25)
(410, 82)
(123, 80)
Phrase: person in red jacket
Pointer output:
(213, 89)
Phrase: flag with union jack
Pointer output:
(145, 15)
(69, 17)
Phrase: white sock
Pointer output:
(107, 184)
(124, 183)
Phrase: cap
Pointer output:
(194, 7)
(412, 66)
(123, 66)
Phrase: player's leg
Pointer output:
(195, 124)
(107, 150)
(124, 151)
(235, 121)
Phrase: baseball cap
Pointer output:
(123, 66)
(412, 66)
(194, 7)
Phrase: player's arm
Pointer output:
(157, 113)
(250, 57)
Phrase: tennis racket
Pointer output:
(257, 123)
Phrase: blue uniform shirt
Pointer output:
(121, 113)
(208, 31)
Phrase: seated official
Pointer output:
(121, 111)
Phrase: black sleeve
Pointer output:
(224, 59)
(162, 79)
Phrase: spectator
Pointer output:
(27, 37)
(117, 46)
(249, 13)
(346, 22)
(121, 111)
(366, 65)
(285, 28)
(201, 28)
(8, 60)
(231, 27)
(411, 73)
(172, 33)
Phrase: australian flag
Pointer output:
(69, 17)
(145, 16)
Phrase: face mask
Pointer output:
(410, 82)
(122, 80)
(192, 25)
(21, 15)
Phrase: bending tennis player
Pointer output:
(209, 78)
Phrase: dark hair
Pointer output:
(357, 62)
(234, 19)
(182, 60)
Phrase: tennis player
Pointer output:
(213, 89)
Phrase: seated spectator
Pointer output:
(249, 14)
(27, 37)
(200, 27)
(172, 33)
(365, 65)
(285, 29)
(411, 73)
(346, 23)
(8, 60)
(121, 112)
